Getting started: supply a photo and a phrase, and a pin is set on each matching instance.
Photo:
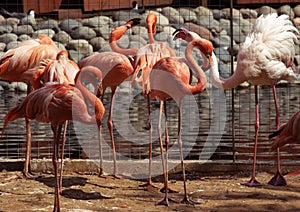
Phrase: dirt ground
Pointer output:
(83, 192)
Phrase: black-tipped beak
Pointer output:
(177, 31)
(134, 21)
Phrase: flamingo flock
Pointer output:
(56, 93)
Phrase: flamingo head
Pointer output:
(205, 47)
(182, 33)
(62, 54)
(151, 23)
(133, 22)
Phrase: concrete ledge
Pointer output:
(136, 168)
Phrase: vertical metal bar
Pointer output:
(232, 90)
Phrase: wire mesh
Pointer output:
(235, 140)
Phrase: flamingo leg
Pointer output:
(26, 169)
(253, 182)
(62, 155)
(278, 179)
(56, 132)
(110, 127)
(166, 199)
(167, 143)
(149, 181)
(101, 170)
(186, 199)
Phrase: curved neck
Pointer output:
(236, 79)
(115, 35)
(89, 97)
(199, 87)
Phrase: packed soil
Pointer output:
(82, 192)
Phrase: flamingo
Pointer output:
(265, 58)
(56, 103)
(288, 133)
(149, 54)
(19, 64)
(170, 78)
(61, 70)
(116, 67)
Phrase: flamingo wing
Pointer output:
(268, 50)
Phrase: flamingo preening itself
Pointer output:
(265, 58)
(20, 64)
(56, 103)
(170, 78)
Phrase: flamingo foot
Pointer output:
(27, 175)
(117, 176)
(148, 184)
(252, 183)
(187, 200)
(278, 180)
(163, 190)
(165, 201)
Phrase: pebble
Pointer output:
(83, 37)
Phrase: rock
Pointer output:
(173, 15)
(202, 31)
(203, 12)
(83, 32)
(2, 47)
(5, 29)
(75, 56)
(297, 10)
(62, 37)
(98, 43)
(296, 22)
(125, 15)
(223, 54)
(266, 10)
(209, 23)
(188, 15)
(12, 44)
(69, 25)
(49, 32)
(97, 21)
(24, 37)
(81, 46)
(18, 86)
(248, 13)
(48, 24)
(8, 37)
(286, 9)
(28, 21)
(221, 41)
(12, 21)
(23, 29)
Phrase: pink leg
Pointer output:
(62, 155)
(26, 169)
(167, 143)
(166, 199)
(253, 182)
(101, 170)
(110, 127)
(56, 132)
(278, 179)
(186, 199)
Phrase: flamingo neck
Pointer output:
(199, 87)
(128, 52)
(236, 79)
(89, 97)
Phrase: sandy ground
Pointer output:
(83, 192)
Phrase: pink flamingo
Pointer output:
(116, 67)
(45, 105)
(63, 71)
(265, 58)
(170, 78)
(19, 64)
